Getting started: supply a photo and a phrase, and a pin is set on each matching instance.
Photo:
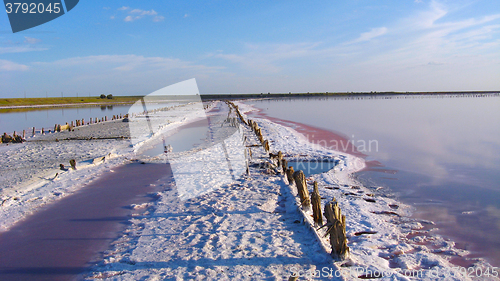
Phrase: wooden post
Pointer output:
(72, 124)
(24, 134)
(33, 132)
(284, 164)
(55, 128)
(280, 157)
(316, 205)
(105, 118)
(300, 182)
(336, 222)
(289, 175)
(43, 131)
(266, 145)
(58, 127)
(72, 162)
(83, 121)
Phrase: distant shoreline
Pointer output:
(340, 94)
(26, 104)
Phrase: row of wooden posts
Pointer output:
(336, 222)
(57, 128)
(78, 123)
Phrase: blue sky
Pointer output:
(136, 47)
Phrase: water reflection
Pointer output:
(446, 150)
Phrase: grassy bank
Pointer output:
(67, 100)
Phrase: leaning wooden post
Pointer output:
(55, 128)
(316, 205)
(336, 229)
(300, 182)
(266, 145)
(289, 175)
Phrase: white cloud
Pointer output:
(186, 15)
(144, 13)
(123, 8)
(267, 58)
(131, 18)
(136, 14)
(158, 18)
(21, 49)
(30, 40)
(373, 33)
(6, 65)
(124, 74)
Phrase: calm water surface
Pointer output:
(47, 118)
(440, 154)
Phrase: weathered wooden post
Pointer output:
(289, 175)
(43, 131)
(72, 162)
(316, 205)
(284, 164)
(105, 118)
(55, 128)
(24, 134)
(83, 121)
(58, 127)
(336, 229)
(280, 157)
(300, 182)
(72, 124)
(33, 132)
(266, 145)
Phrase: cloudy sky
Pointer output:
(136, 47)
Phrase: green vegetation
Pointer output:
(68, 100)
